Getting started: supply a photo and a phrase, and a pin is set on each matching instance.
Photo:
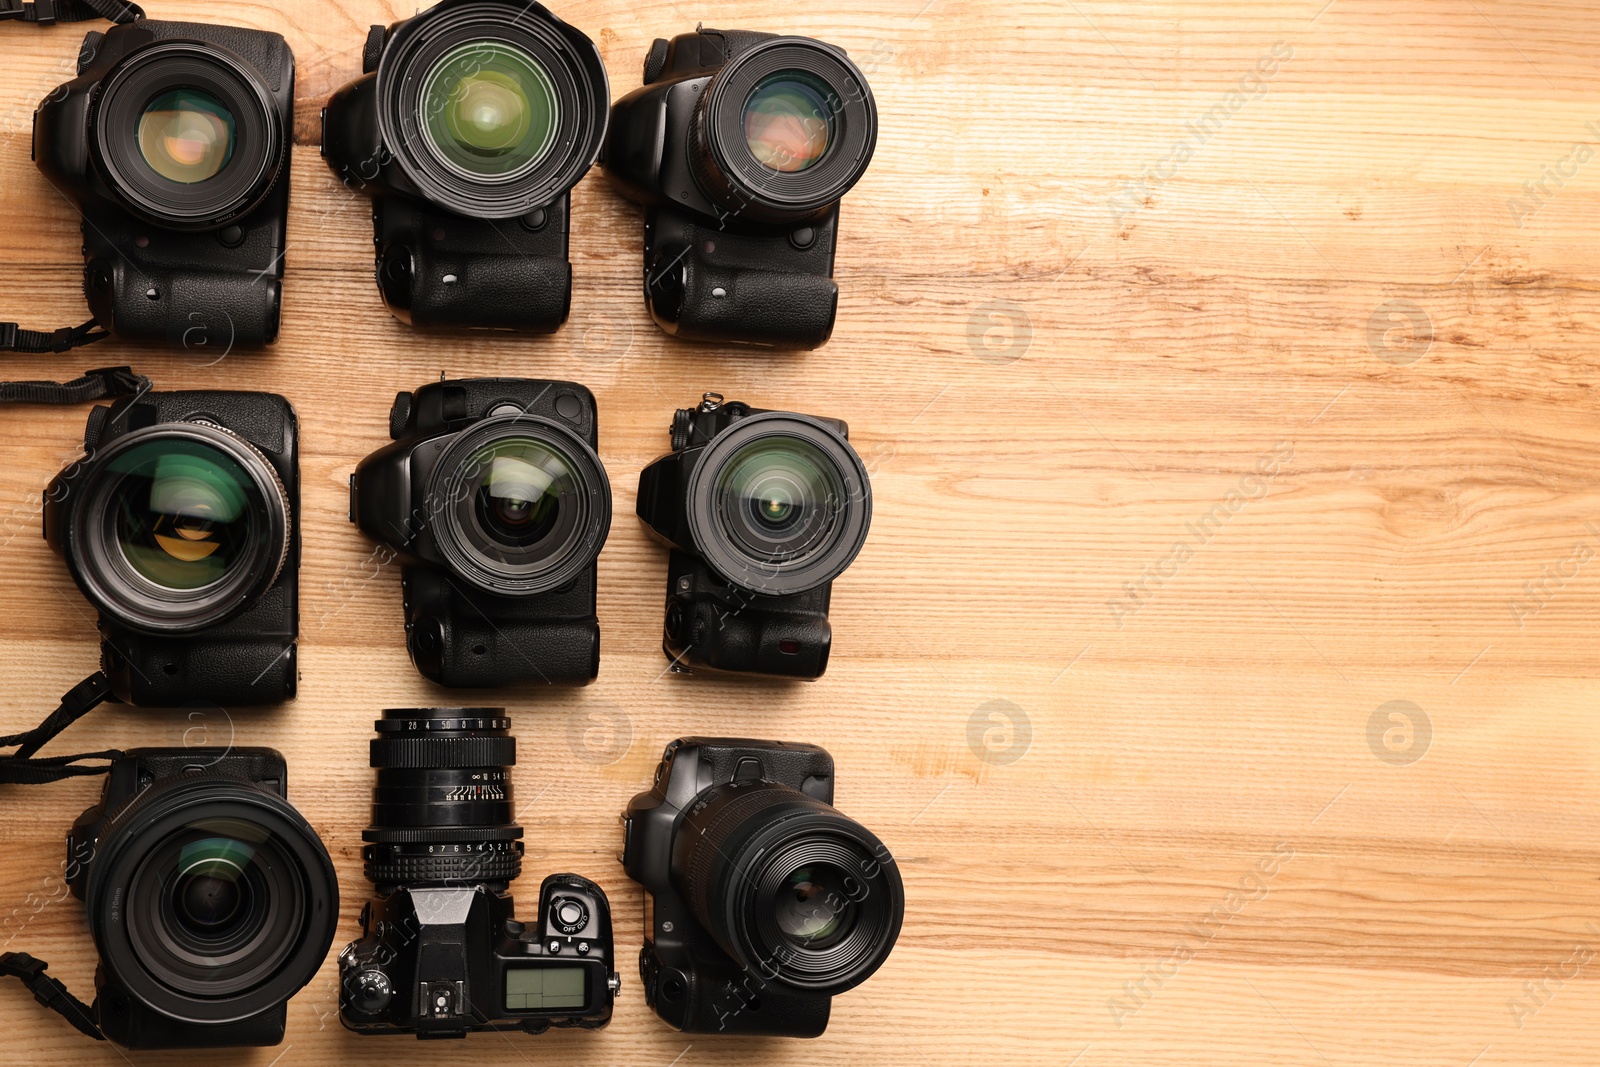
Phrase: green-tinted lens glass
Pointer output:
(789, 121)
(780, 499)
(181, 514)
(186, 135)
(488, 110)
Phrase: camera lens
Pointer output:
(442, 807)
(489, 109)
(211, 897)
(522, 504)
(179, 527)
(783, 131)
(779, 504)
(788, 886)
(788, 123)
(186, 135)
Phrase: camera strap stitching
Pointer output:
(14, 338)
(48, 12)
(101, 384)
(49, 992)
(23, 768)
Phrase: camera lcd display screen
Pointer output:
(544, 988)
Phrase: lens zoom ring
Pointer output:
(482, 867)
(443, 752)
(709, 852)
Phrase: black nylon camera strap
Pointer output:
(21, 767)
(49, 992)
(14, 338)
(46, 12)
(102, 384)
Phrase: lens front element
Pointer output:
(186, 135)
(489, 110)
(780, 499)
(182, 514)
(814, 908)
(789, 121)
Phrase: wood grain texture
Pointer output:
(1153, 466)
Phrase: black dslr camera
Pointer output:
(174, 143)
(762, 510)
(179, 524)
(761, 900)
(440, 954)
(497, 503)
(471, 122)
(211, 900)
(739, 145)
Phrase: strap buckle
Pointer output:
(11, 9)
(21, 965)
(8, 330)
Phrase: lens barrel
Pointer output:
(190, 175)
(442, 807)
(784, 130)
(778, 504)
(788, 886)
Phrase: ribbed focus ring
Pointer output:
(416, 752)
(386, 867)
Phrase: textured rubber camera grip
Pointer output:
(721, 303)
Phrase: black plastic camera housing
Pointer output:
(197, 265)
(230, 640)
(762, 900)
(738, 601)
(179, 837)
(481, 612)
(440, 954)
(735, 250)
(454, 251)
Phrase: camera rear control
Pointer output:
(568, 916)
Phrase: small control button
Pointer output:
(583, 948)
(568, 916)
(555, 947)
(232, 236)
(568, 407)
(535, 219)
(804, 237)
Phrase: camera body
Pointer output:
(691, 978)
(208, 278)
(126, 1005)
(451, 253)
(244, 651)
(733, 252)
(465, 627)
(442, 961)
(738, 617)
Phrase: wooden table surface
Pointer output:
(1220, 664)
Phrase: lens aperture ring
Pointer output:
(475, 861)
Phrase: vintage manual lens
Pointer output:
(789, 887)
(186, 137)
(489, 110)
(442, 808)
(779, 504)
(179, 527)
(211, 898)
(523, 504)
(783, 131)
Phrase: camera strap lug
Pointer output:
(49, 992)
(49, 12)
(103, 384)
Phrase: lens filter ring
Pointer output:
(519, 505)
(178, 526)
(779, 504)
(492, 65)
(256, 141)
